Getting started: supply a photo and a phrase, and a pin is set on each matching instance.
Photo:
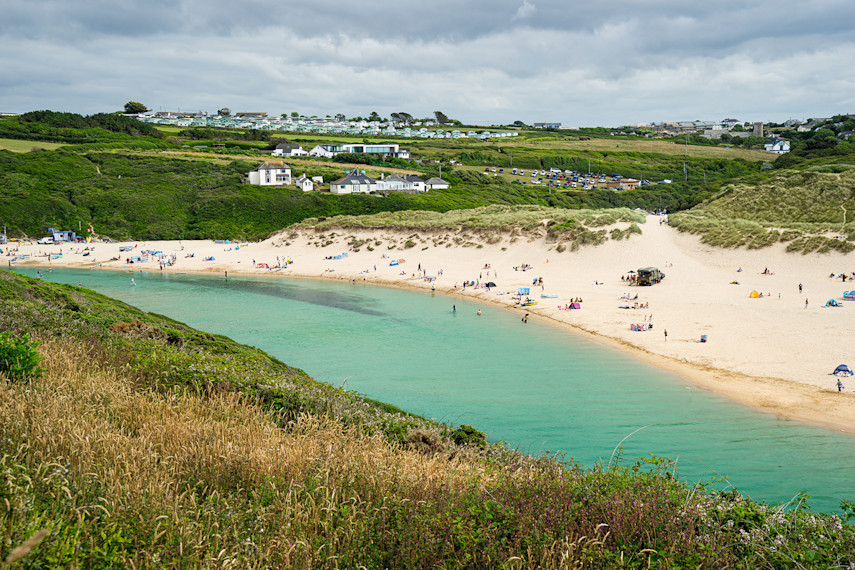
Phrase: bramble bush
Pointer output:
(19, 357)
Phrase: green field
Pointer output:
(15, 145)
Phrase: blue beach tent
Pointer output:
(849, 295)
(832, 303)
(842, 370)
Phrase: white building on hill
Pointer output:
(271, 173)
(356, 182)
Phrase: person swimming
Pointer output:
(133, 283)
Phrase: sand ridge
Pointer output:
(772, 353)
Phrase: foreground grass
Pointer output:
(805, 210)
(204, 461)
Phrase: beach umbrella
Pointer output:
(490, 284)
(842, 370)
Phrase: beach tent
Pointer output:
(832, 303)
(575, 306)
(491, 284)
(842, 370)
(523, 290)
(754, 295)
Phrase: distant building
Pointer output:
(288, 149)
(547, 125)
(251, 115)
(758, 130)
(418, 183)
(271, 173)
(330, 150)
(778, 146)
(436, 184)
(356, 182)
(304, 184)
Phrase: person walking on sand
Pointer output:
(800, 287)
(839, 385)
(806, 303)
(666, 335)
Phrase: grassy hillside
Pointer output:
(804, 209)
(130, 196)
(131, 181)
(144, 443)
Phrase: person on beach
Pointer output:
(666, 335)
(806, 303)
(453, 309)
(133, 283)
(839, 385)
(800, 287)
(525, 318)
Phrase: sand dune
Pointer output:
(771, 353)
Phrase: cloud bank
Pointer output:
(487, 62)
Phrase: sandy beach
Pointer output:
(774, 353)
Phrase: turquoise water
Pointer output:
(534, 386)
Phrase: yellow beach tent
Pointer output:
(754, 295)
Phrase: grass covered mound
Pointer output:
(803, 209)
(145, 443)
(568, 227)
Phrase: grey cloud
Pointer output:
(591, 63)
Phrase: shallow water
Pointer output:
(535, 386)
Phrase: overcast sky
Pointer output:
(605, 63)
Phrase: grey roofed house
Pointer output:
(356, 182)
(438, 183)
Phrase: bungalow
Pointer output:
(418, 183)
(288, 149)
(777, 146)
(330, 150)
(356, 182)
(304, 184)
(393, 183)
(271, 173)
(436, 184)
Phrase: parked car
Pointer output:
(46, 240)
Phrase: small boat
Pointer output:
(527, 303)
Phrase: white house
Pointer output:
(395, 183)
(778, 146)
(330, 150)
(304, 184)
(288, 149)
(436, 184)
(418, 183)
(356, 182)
(271, 173)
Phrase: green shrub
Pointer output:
(19, 357)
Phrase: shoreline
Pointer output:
(813, 400)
